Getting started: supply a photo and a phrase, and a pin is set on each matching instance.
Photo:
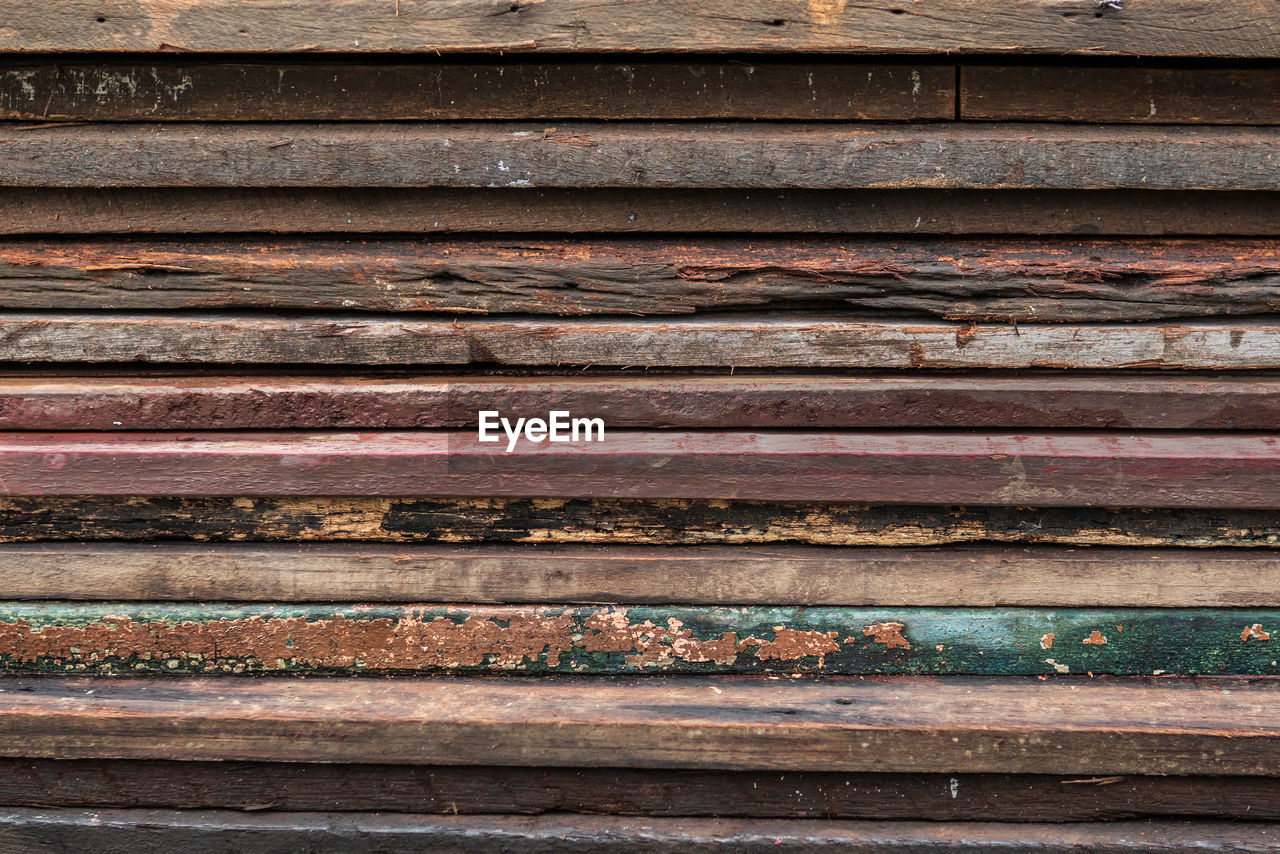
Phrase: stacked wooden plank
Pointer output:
(935, 349)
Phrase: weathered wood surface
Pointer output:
(224, 638)
(790, 340)
(1244, 28)
(1063, 725)
(708, 575)
(740, 401)
(1018, 279)
(201, 832)
(719, 155)
(632, 522)
(425, 211)
(1172, 470)
(158, 90)
(472, 790)
(1233, 96)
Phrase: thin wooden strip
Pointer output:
(740, 401)
(799, 340)
(738, 155)
(1239, 470)
(472, 790)
(113, 638)
(426, 211)
(1017, 279)
(955, 725)
(152, 90)
(1152, 28)
(618, 522)
(707, 575)
(1241, 96)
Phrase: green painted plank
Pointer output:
(223, 638)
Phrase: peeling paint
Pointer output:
(889, 634)
(1256, 633)
(1095, 638)
(1046, 641)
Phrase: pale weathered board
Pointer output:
(1242, 28)
(159, 90)
(114, 638)
(984, 280)
(1063, 725)
(1172, 470)
(764, 155)
(961, 576)
(1047, 93)
(626, 400)
(730, 340)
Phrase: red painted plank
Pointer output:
(1085, 469)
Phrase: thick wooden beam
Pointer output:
(1229, 96)
(158, 90)
(1083, 727)
(731, 156)
(1244, 28)
(1239, 470)
(624, 400)
(731, 340)
(487, 789)
(707, 575)
(619, 522)
(984, 280)
(114, 638)
(1201, 213)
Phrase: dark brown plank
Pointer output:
(1229, 96)
(731, 340)
(740, 401)
(1245, 28)
(156, 90)
(479, 790)
(724, 155)
(983, 280)
(709, 575)
(1089, 727)
(1240, 470)
(427, 211)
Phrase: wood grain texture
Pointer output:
(1230, 96)
(1238, 470)
(982, 280)
(192, 832)
(1201, 213)
(740, 401)
(791, 340)
(1063, 725)
(115, 638)
(480, 790)
(1245, 28)
(159, 90)
(618, 522)
(670, 575)
(724, 155)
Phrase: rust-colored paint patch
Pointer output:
(792, 644)
(889, 634)
(1095, 638)
(1256, 633)
(1046, 641)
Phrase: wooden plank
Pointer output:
(425, 211)
(1093, 727)
(723, 155)
(741, 401)
(1017, 279)
(1207, 470)
(631, 522)
(160, 90)
(1232, 96)
(792, 340)
(1246, 28)
(115, 638)
(472, 790)
(707, 575)
(356, 833)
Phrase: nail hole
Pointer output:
(102, 20)
(897, 11)
(776, 22)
